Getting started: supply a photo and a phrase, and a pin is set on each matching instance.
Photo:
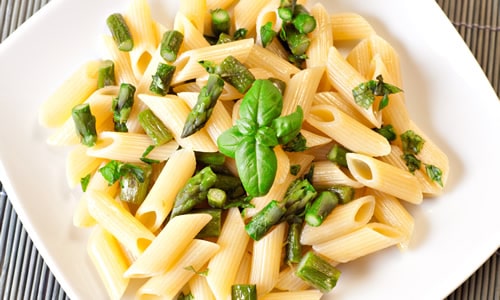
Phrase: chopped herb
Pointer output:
(434, 173)
(267, 34)
(387, 131)
(338, 154)
(297, 144)
(114, 170)
(84, 182)
(412, 162)
(295, 169)
(412, 142)
(364, 94)
(240, 34)
(146, 153)
(202, 273)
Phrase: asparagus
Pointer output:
(230, 184)
(266, 218)
(297, 42)
(267, 34)
(221, 22)
(344, 193)
(106, 74)
(224, 38)
(133, 188)
(203, 108)
(236, 74)
(317, 272)
(170, 44)
(293, 245)
(240, 33)
(243, 292)
(194, 192)
(304, 23)
(122, 105)
(216, 197)
(213, 227)
(162, 79)
(338, 155)
(84, 124)
(299, 194)
(297, 144)
(210, 158)
(321, 207)
(120, 32)
(278, 83)
(154, 127)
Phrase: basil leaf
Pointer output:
(229, 141)
(262, 103)
(84, 182)
(412, 143)
(266, 136)
(287, 127)
(111, 171)
(434, 173)
(363, 94)
(257, 165)
(246, 126)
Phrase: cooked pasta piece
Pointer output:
(327, 174)
(129, 147)
(368, 239)
(79, 165)
(246, 12)
(321, 37)
(263, 58)
(350, 26)
(134, 236)
(109, 260)
(244, 269)
(159, 201)
(334, 98)
(193, 36)
(194, 11)
(224, 265)
(385, 177)
(121, 60)
(299, 94)
(288, 281)
(199, 288)
(342, 220)
(56, 109)
(296, 295)
(347, 131)
(168, 245)
(313, 139)
(266, 259)
(169, 283)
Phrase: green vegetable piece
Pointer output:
(240, 33)
(106, 74)
(304, 23)
(210, 158)
(387, 131)
(364, 94)
(204, 106)
(170, 44)
(120, 32)
(85, 124)
(412, 162)
(224, 38)
(134, 183)
(285, 13)
(266, 218)
(434, 173)
(146, 152)
(262, 103)
(230, 184)
(298, 195)
(266, 136)
(295, 169)
(244, 292)
(162, 79)
(154, 127)
(257, 165)
(297, 144)
(236, 74)
(293, 247)
(185, 297)
(122, 106)
(297, 42)
(111, 171)
(338, 154)
(321, 207)
(229, 141)
(194, 191)
(84, 182)
(317, 272)
(288, 127)
(344, 193)
(412, 143)
(267, 34)
(279, 84)
(216, 198)
(221, 21)
(213, 227)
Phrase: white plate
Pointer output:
(447, 94)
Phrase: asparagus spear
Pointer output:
(216, 197)
(266, 218)
(122, 105)
(304, 23)
(154, 127)
(213, 227)
(210, 158)
(293, 245)
(221, 22)
(170, 44)
(299, 194)
(321, 207)
(236, 74)
(230, 184)
(317, 272)
(338, 155)
(244, 292)
(203, 108)
(194, 192)
(120, 32)
(162, 79)
(84, 124)
(133, 188)
(344, 193)
(106, 74)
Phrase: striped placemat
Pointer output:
(24, 274)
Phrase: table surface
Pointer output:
(23, 272)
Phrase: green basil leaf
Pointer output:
(266, 136)
(229, 140)
(287, 127)
(262, 103)
(246, 126)
(111, 171)
(257, 165)
(434, 173)
(363, 94)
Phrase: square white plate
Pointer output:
(447, 93)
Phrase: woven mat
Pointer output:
(24, 274)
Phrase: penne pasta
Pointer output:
(350, 26)
(327, 174)
(296, 295)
